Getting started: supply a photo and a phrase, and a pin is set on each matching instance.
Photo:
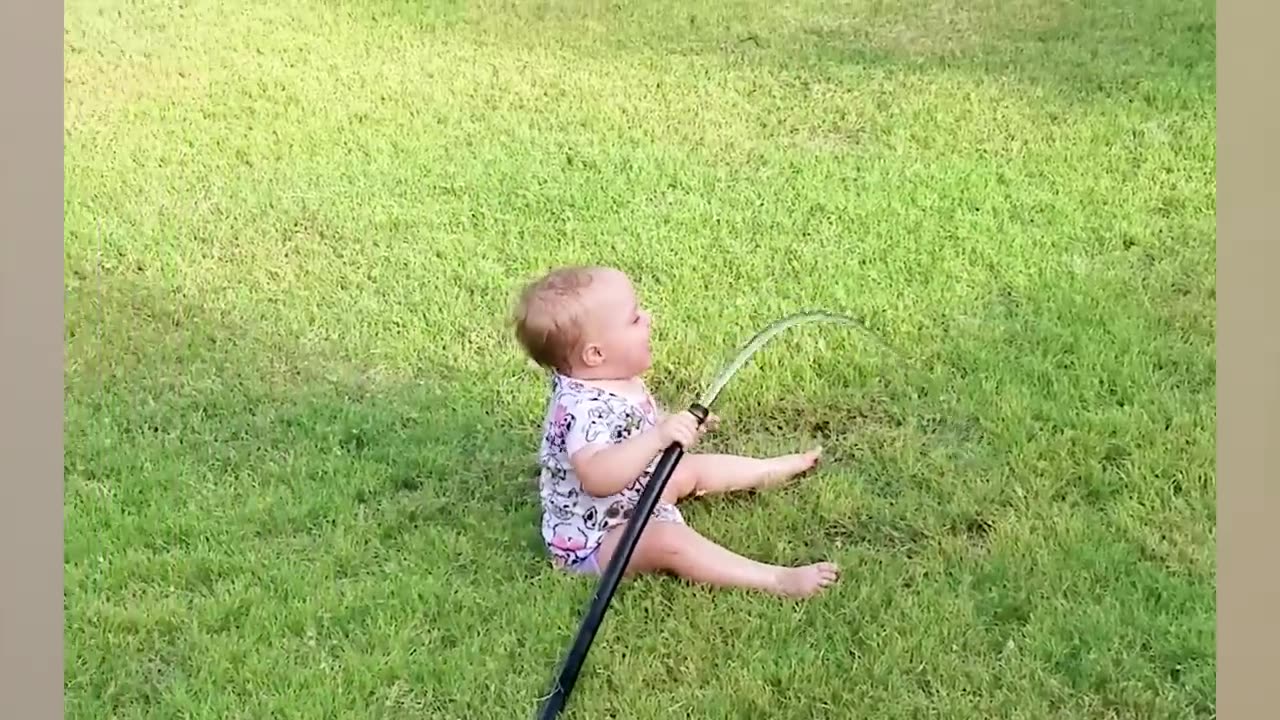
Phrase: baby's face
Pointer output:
(619, 327)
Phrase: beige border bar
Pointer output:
(1248, 361)
(31, 187)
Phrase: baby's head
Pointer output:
(585, 322)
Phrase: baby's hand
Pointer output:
(681, 428)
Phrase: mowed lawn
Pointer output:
(299, 438)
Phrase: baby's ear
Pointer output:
(592, 355)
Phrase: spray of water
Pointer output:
(768, 333)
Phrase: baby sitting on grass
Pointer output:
(604, 433)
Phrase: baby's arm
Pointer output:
(710, 424)
(608, 469)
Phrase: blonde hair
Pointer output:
(549, 314)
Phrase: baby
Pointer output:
(604, 433)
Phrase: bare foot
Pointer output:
(806, 581)
(786, 467)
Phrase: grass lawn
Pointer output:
(300, 438)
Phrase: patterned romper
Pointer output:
(573, 521)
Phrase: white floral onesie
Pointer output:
(573, 521)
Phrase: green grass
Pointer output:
(299, 438)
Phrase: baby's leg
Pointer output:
(674, 547)
(703, 474)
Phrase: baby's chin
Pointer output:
(645, 364)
